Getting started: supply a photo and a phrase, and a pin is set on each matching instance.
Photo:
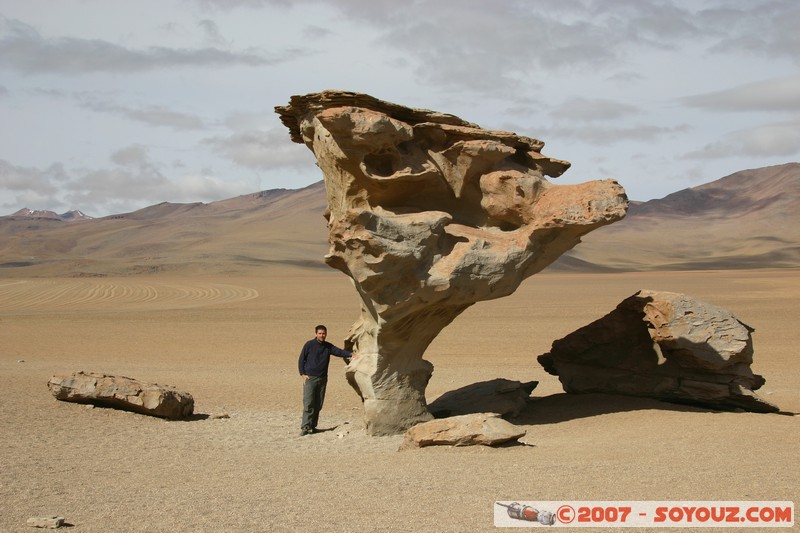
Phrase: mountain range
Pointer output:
(749, 219)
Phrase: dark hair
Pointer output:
(320, 327)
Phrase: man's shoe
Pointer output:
(305, 431)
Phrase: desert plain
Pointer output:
(232, 341)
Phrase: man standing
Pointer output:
(313, 365)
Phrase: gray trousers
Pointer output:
(313, 397)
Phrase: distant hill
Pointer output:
(265, 229)
(746, 220)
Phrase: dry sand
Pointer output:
(233, 343)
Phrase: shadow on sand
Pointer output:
(563, 407)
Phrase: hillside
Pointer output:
(269, 228)
(746, 220)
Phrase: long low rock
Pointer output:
(123, 393)
(486, 429)
(48, 522)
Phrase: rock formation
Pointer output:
(666, 346)
(505, 397)
(486, 429)
(122, 393)
(428, 214)
(46, 522)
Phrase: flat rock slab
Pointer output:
(122, 393)
(48, 522)
(486, 429)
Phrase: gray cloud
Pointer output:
(29, 186)
(261, 149)
(778, 139)
(212, 32)
(589, 110)
(770, 95)
(131, 156)
(134, 182)
(151, 115)
(768, 30)
(3, 91)
(17, 178)
(24, 49)
(605, 136)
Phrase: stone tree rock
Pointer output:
(428, 214)
(123, 393)
(666, 346)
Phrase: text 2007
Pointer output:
(603, 514)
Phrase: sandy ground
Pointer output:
(233, 343)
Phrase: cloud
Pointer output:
(605, 136)
(317, 32)
(151, 115)
(767, 30)
(146, 186)
(261, 149)
(3, 90)
(596, 109)
(778, 139)
(212, 32)
(133, 182)
(131, 156)
(24, 49)
(17, 178)
(29, 186)
(770, 95)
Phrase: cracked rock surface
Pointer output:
(662, 345)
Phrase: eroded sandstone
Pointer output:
(662, 345)
(483, 429)
(122, 393)
(429, 214)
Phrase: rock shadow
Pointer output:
(564, 407)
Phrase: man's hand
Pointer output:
(355, 355)
(305, 377)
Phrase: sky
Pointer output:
(108, 106)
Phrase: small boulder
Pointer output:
(486, 429)
(123, 393)
(502, 396)
(49, 522)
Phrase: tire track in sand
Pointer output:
(54, 295)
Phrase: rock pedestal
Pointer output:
(662, 345)
(428, 214)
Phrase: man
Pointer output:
(313, 365)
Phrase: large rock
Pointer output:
(505, 397)
(123, 393)
(428, 214)
(486, 429)
(662, 345)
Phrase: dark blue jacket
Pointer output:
(315, 357)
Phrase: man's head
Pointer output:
(321, 333)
